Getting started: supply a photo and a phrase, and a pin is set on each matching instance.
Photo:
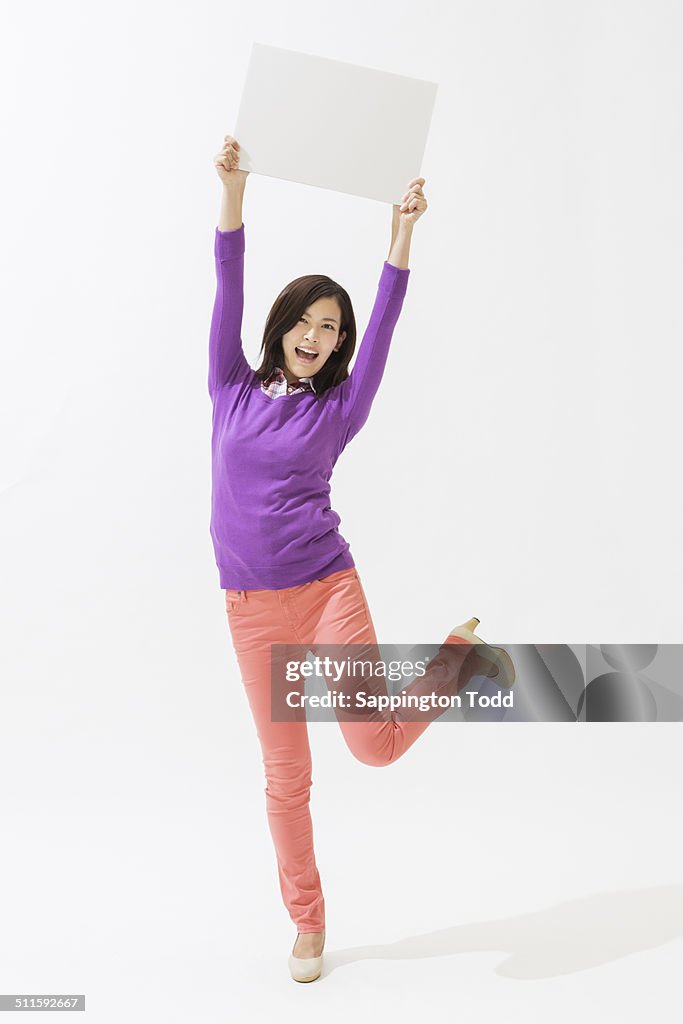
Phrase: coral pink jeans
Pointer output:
(331, 610)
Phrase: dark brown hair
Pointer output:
(288, 308)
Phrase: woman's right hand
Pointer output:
(227, 161)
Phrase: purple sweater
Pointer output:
(272, 524)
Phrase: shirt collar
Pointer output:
(307, 380)
(278, 374)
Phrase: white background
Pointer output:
(521, 464)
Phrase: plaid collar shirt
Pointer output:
(276, 384)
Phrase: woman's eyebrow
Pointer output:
(324, 318)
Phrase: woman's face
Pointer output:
(318, 332)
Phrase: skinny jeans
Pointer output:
(330, 610)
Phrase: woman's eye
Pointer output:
(303, 318)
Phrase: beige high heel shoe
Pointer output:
(306, 968)
(494, 662)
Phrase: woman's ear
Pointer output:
(339, 343)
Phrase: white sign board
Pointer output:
(332, 124)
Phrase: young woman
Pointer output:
(287, 572)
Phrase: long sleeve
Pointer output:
(226, 357)
(361, 385)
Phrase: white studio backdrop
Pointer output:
(520, 464)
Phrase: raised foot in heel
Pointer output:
(494, 662)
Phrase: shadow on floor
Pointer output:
(564, 939)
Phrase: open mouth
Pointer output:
(304, 356)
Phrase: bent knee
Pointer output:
(373, 758)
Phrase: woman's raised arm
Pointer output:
(226, 356)
(360, 388)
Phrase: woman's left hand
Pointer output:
(413, 203)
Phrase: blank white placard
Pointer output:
(332, 124)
